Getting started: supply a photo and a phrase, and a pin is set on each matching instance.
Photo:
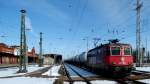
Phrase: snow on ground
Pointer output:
(53, 71)
(81, 71)
(95, 82)
(103, 82)
(33, 68)
(27, 80)
(12, 71)
(78, 82)
(147, 81)
(143, 68)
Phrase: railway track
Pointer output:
(137, 75)
(71, 80)
(140, 72)
(134, 77)
(128, 81)
(68, 75)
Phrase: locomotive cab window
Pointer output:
(115, 50)
(127, 51)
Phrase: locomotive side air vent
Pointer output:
(113, 40)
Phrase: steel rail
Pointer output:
(87, 81)
(68, 75)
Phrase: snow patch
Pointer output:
(143, 68)
(78, 82)
(53, 71)
(103, 82)
(95, 82)
(147, 81)
(27, 80)
(12, 71)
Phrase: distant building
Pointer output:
(48, 59)
(10, 54)
(16, 50)
(7, 55)
(32, 56)
(6, 49)
(52, 59)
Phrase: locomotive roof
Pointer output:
(109, 44)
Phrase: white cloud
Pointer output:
(29, 26)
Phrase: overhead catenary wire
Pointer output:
(121, 10)
(71, 26)
(79, 20)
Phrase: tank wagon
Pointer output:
(111, 58)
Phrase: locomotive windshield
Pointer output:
(115, 50)
(127, 51)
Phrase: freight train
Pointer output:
(111, 58)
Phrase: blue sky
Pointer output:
(65, 23)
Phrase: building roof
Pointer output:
(6, 49)
(51, 55)
(32, 53)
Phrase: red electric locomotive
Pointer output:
(114, 58)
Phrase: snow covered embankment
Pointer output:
(27, 80)
(12, 71)
(143, 68)
(53, 71)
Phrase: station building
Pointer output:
(10, 54)
(7, 55)
(32, 56)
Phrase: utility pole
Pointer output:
(138, 35)
(22, 67)
(146, 51)
(148, 57)
(40, 55)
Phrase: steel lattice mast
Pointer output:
(22, 67)
(40, 55)
(138, 35)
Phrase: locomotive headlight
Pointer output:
(122, 59)
(113, 63)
